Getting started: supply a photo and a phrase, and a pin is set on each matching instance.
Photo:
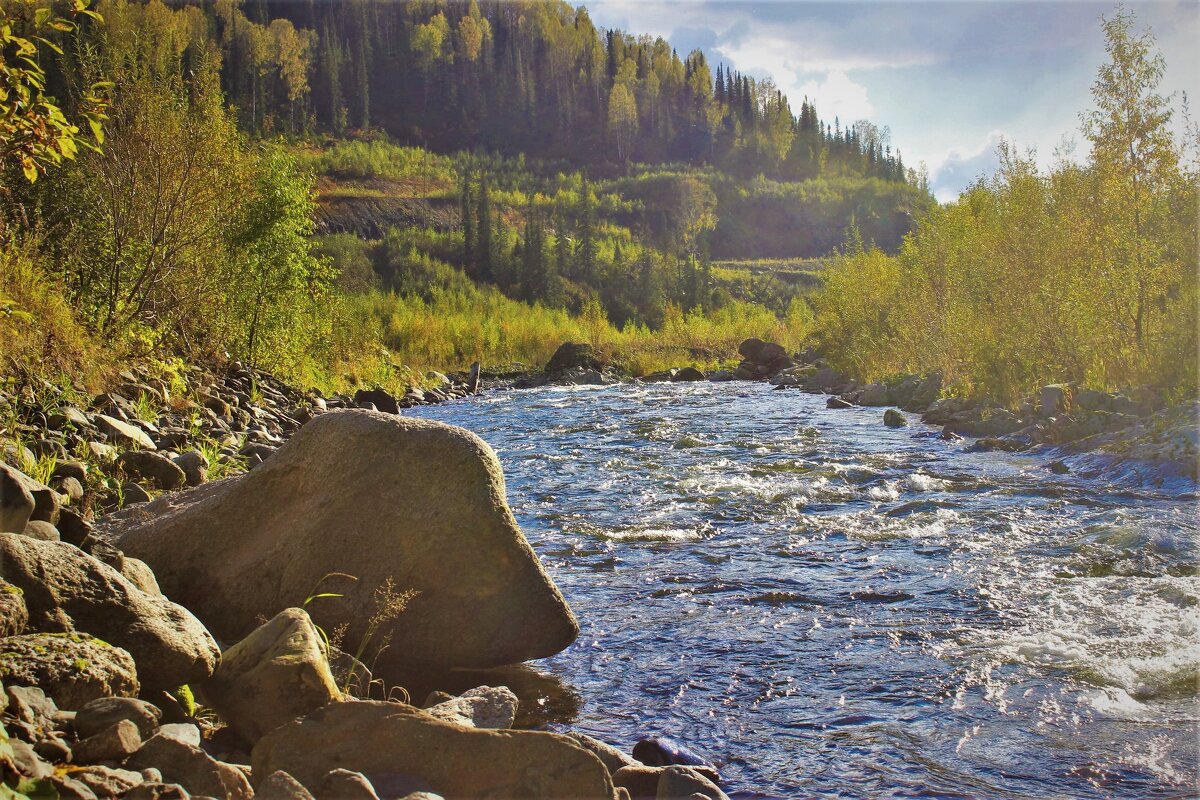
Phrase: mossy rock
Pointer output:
(71, 668)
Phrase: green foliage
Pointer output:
(34, 130)
(1083, 274)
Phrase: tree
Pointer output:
(275, 273)
(34, 131)
(1135, 160)
(622, 119)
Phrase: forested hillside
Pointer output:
(328, 189)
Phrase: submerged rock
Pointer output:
(399, 504)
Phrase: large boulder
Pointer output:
(72, 669)
(572, 355)
(391, 744)
(277, 673)
(397, 503)
(66, 590)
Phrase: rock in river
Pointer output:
(394, 502)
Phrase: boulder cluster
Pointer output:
(244, 633)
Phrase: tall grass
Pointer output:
(450, 328)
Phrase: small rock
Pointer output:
(27, 762)
(184, 732)
(894, 419)
(102, 452)
(378, 398)
(116, 743)
(1058, 467)
(16, 503)
(132, 494)
(195, 467)
(107, 781)
(686, 782)
(281, 786)
(123, 433)
(72, 526)
(53, 749)
(157, 790)
(687, 374)
(30, 704)
(71, 487)
(639, 780)
(342, 784)
(837, 402)
(71, 469)
(45, 500)
(482, 707)
(1054, 399)
(159, 469)
(70, 789)
(875, 394)
(14, 616)
(192, 768)
(138, 573)
(71, 668)
(41, 530)
(277, 673)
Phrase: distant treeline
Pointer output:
(519, 76)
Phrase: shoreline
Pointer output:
(241, 418)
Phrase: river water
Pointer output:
(825, 607)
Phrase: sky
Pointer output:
(949, 78)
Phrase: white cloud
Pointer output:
(951, 171)
(836, 95)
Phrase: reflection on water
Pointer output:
(830, 608)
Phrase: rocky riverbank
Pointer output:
(212, 582)
(210, 591)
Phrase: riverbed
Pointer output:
(825, 607)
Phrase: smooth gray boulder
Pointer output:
(67, 590)
(396, 502)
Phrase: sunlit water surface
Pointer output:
(825, 607)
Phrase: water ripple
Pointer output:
(830, 608)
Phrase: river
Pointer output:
(826, 607)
